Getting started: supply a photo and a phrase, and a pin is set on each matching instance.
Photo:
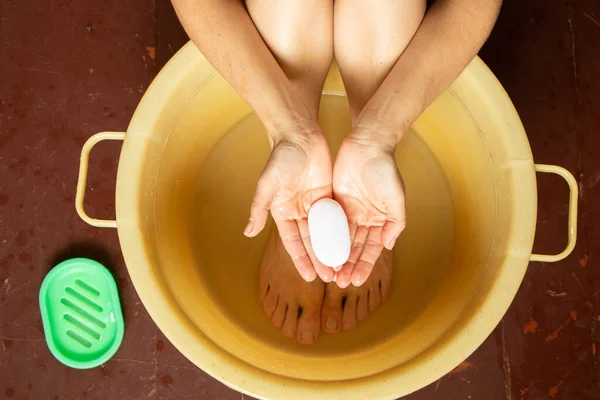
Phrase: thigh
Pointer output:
(369, 36)
(294, 30)
(299, 33)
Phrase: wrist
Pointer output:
(390, 115)
(280, 108)
(297, 129)
(397, 103)
(373, 131)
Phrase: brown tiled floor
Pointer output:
(71, 68)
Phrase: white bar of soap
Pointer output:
(329, 232)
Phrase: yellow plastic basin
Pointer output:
(190, 160)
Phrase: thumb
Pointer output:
(316, 194)
(395, 222)
(261, 203)
(391, 231)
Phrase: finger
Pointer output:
(371, 252)
(395, 220)
(391, 231)
(292, 241)
(353, 227)
(316, 194)
(343, 277)
(325, 273)
(358, 242)
(261, 203)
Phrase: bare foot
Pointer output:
(344, 308)
(292, 304)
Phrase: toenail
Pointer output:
(331, 324)
(347, 325)
(308, 337)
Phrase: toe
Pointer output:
(270, 303)
(344, 276)
(331, 315)
(362, 307)
(279, 314)
(291, 321)
(362, 271)
(384, 288)
(264, 287)
(264, 291)
(386, 261)
(349, 313)
(374, 297)
(309, 324)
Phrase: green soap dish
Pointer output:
(81, 313)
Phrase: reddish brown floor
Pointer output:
(69, 69)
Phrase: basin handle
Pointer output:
(573, 195)
(82, 179)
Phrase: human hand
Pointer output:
(297, 174)
(368, 185)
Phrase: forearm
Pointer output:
(449, 37)
(226, 35)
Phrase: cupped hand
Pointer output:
(368, 185)
(297, 174)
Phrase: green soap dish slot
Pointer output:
(81, 313)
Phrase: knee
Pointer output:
(303, 50)
(299, 34)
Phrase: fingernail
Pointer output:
(342, 284)
(328, 278)
(248, 228)
(357, 282)
(331, 324)
(309, 277)
(308, 337)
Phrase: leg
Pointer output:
(299, 33)
(300, 36)
(365, 56)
